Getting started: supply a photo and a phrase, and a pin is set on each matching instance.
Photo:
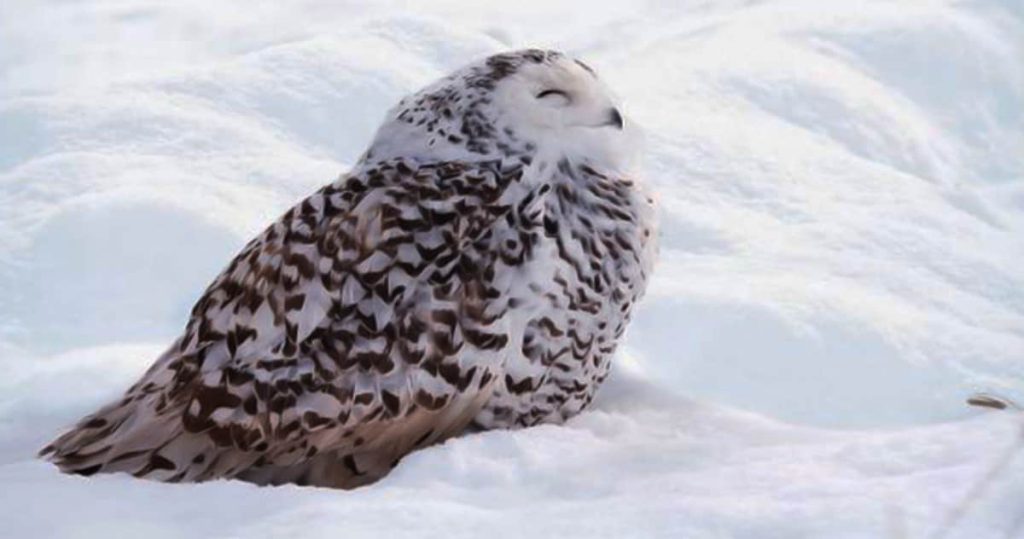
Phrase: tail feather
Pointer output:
(146, 435)
(86, 448)
(122, 437)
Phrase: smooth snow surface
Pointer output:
(842, 192)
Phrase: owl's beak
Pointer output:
(615, 119)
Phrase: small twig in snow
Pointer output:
(1004, 460)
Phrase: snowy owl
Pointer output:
(474, 270)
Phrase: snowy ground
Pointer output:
(843, 260)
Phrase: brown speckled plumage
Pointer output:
(475, 268)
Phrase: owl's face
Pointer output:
(558, 95)
(520, 105)
(561, 106)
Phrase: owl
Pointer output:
(475, 269)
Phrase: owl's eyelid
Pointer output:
(552, 91)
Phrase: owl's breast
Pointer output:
(588, 252)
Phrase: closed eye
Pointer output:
(552, 93)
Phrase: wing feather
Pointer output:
(360, 325)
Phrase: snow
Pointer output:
(842, 196)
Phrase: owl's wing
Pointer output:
(362, 324)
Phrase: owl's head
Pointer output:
(518, 105)
(556, 93)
